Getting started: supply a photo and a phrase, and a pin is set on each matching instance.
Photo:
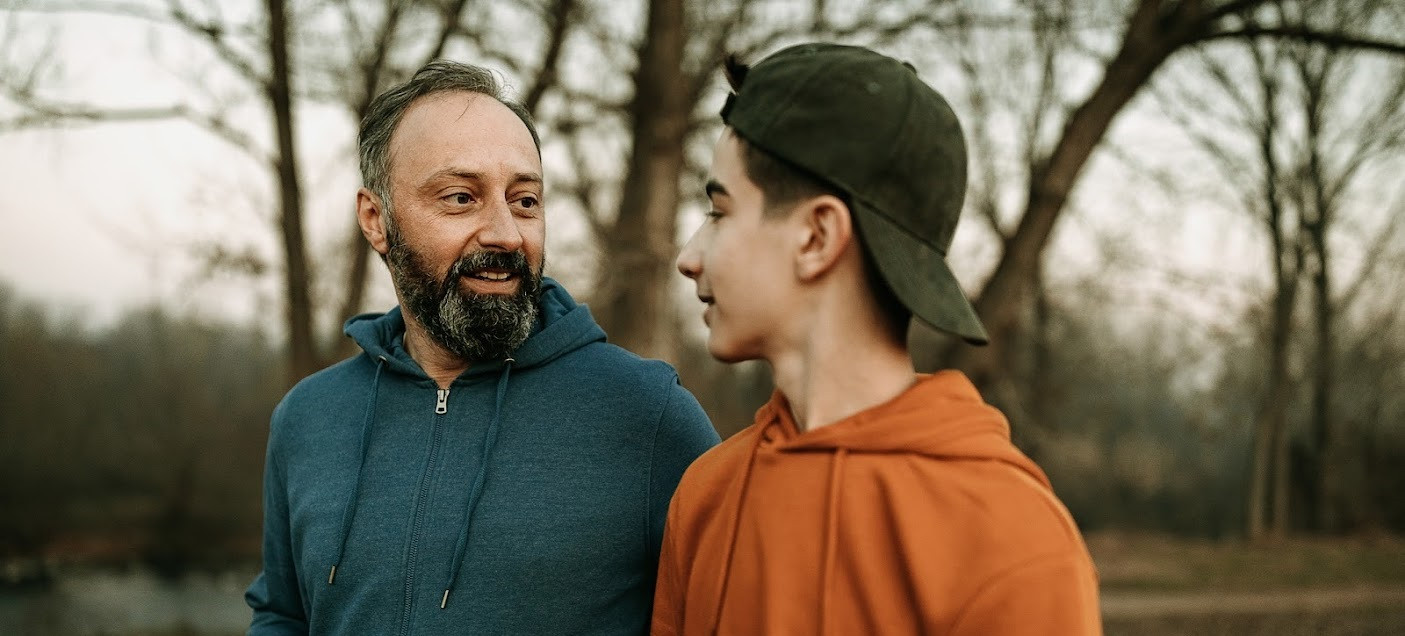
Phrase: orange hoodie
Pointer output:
(916, 516)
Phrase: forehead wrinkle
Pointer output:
(469, 175)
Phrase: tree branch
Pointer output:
(559, 20)
(215, 36)
(1305, 34)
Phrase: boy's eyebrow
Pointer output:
(715, 188)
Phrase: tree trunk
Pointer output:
(1255, 513)
(1148, 41)
(302, 358)
(1324, 437)
(636, 261)
(1313, 72)
(1269, 485)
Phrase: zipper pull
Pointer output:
(441, 405)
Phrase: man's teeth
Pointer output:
(492, 275)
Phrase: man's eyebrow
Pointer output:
(468, 175)
(715, 188)
(456, 173)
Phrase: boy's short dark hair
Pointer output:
(783, 185)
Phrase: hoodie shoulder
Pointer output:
(705, 482)
(618, 365)
(315, 397)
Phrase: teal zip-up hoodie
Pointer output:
(528, 498)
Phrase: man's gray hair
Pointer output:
(386, 109)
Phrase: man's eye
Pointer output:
(528, 202)
(460, 198)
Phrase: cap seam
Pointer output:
(790, 99)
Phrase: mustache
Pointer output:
(514, 263)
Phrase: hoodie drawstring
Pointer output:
(490, 436)
(831, 532)
(736, 529)
(349, 514)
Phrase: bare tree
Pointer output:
(1317, 124)
(265, 56)
(1152, 32)
(1350, 120)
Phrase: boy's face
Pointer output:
(740, 261)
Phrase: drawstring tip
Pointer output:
(332, 578)
(444, 602)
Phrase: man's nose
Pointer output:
(501, 230)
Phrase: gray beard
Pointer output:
(474, 327)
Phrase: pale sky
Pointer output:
(99, 214)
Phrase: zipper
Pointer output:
(441, 406)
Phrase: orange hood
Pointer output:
(941, 416)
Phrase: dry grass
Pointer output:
(1154, 585)
(1130, 562)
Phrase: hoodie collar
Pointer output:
(563, 325)
(941, 415)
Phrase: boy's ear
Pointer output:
(368, 215)
(826, 231)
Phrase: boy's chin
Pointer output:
(727, 352)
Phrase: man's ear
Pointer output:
(827, 230)
(368, 215)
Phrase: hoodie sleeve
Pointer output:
(1054, 595)
(682, 434)
(667, 619)
(274, 595)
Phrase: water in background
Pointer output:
(133, 602)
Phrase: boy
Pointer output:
(865, 498)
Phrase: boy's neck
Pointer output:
(839, 369)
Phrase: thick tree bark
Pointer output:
(302, 358)
(635, 272)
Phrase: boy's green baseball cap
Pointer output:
(867, 125)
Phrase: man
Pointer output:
(865, 498)
(488, 464)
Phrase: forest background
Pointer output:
(1183, 230)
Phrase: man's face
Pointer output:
(739, 260)
(465, 244)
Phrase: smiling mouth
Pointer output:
(491, 275)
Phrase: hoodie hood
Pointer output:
(562, 326)
(941, 416)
